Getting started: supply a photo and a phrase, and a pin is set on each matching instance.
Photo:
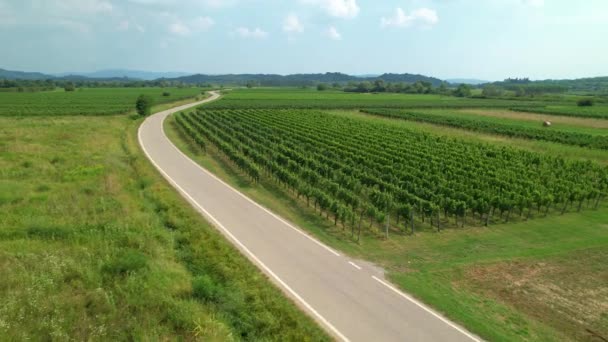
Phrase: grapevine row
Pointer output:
(352, 168)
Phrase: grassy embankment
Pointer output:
(542, 280)
(95, 245)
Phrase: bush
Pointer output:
(166, 93)
(585, 102)
(321, 86)
(69, 86)
(143, 105)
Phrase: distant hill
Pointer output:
(131, 74)
(300, 79)
(471, 81)
(23, 75)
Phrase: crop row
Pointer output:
(353, 169)
(511, 130)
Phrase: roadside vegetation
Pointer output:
(95, 245)
(537, 280)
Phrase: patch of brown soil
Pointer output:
(569, 293)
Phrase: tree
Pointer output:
(379, 86)
(491, 90)
(250, 84)
(143, 105)
(69, 86)
(584, 103)
(463, 90)
(443, 88)
(321, 86)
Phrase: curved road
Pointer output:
(350, 300)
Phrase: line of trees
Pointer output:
(46, 85)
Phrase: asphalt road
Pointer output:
(350, 299)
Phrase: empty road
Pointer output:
(350, 300)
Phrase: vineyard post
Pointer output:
(412, 220)
(438, 222)
(387, 223)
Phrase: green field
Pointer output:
(311, 98)
(533, 280)
(578, 136)
(95, 245)
(597, 111)
(86, 101)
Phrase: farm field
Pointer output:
(570, 122)
(87, 101)
(311, 98)
(94, 245)
(598, 111)
(536, 279)
(564, 134)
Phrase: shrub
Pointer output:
(321, 86)
(166, 93)
(69, 86)
(143, 105)
(585, 102)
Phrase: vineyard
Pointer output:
(364, 173)
(86, 101)
(598, 111)
(312, 99)
(496, 127)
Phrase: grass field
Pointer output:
(543, 280)
(87, 101)
(94, 245)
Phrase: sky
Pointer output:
(483, 39)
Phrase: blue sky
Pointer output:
(487, 39)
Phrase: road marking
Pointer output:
(355, 265)
(424, 307)
(249, 199)
(333, 329)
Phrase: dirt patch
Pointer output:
(570, 293)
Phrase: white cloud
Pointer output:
(125, 25)
(421, 16)
(219, 3)
(199, 24)
(337, 8)
(292, 24)
(83, 6)
(255, 33)
(179, 28)
(332, 33)
(534, 3)
(202, 23)
(73, 26)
